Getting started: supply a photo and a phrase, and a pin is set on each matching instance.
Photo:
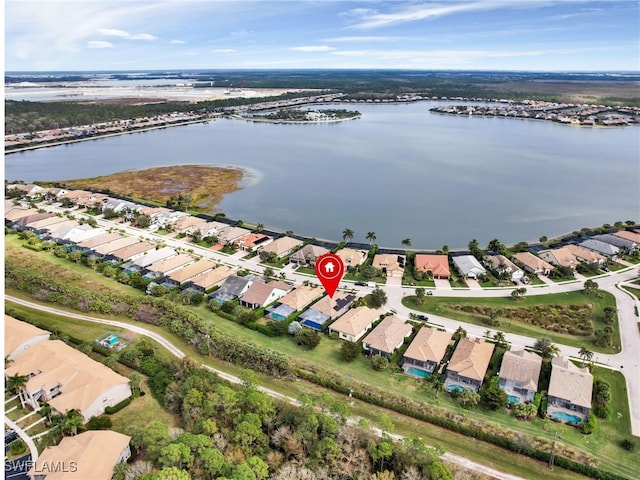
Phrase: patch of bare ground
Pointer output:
(205, 184)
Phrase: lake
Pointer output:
(399, 171)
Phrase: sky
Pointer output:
(533, 35)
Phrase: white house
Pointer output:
(468, 266)
(20, 336)
(354, 324)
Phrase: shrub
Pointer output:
(602, 411)
(99, 423)
(379, 363)
(18, 447)
(118, 406)
(350, 351)
(628, 445)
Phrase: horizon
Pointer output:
(472, 35)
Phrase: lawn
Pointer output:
(442, 306)
(142, 412)
(633, 290)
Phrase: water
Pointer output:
(513, 399)
(565, 417)
(455, 388)
(417, 372)
(399, 171)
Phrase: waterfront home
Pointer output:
(16, 213)
(623, 244)
(387, 337)
(501, 265)
(21, 223)
(252, 242)
(233, 287)
(189, 272)
(437, 266)
(602, 248)
(83, 198)
(211, 229)
(261, 294)
(93, 242)
(89, 455)
(163, 217)
(205, 282)
(629, 235)
(188, 224)
(20, 336)
(294, 301)
(230, 235)
(468, 266)
(130, 252)
(283, 246)
(584, 255)
(570, 389)
(390, 264)
(354, 324)
(326, 309)
(561, 257)
(533, 264)
(425, 352)
(67, 380)
(167, 265)
(307, 255)
(118, 205)
(29, 189)
(468, 364)
(519, 374)
(149, 258)
(351, 257)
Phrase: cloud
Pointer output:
(364, 38)
(313, 48)
(177, 42)
(99, 44)
(112, 32)
(225, 50)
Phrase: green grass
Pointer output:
(633, 290)
(441, 306)
(13, 403)
(142, 412)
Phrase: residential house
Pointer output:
(282, 246)
(468, 364)
(624, 244)
(91, 455)
(603, 248)
(149, 258)
(188, 224)
(294, 301)
(130, 252)
(561, 257)
(29, 189)
(570, 389)
(435, 265)
(67, 380)
(468, 266)
(425, 352)
(326, 309)
(261, 294)
(96, 241)
(354, 324)
(629, 235)
(584, 255)
(211, 229)
(230, 235)
(83, 198)
(20, 336)
(16, 213)
(351, 257)
(118, 205)
(391, 265)
(188, 272)
(21, 223)
(533, 264)
(104, 250)
(306, 256)
(233, 287)
(252, 241)
(168, 265)
(503, 266)
(519, 374)
(387, 337)
(205, 282)
(164, 217)
(41, 227)
(60, 229)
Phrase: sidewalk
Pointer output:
(25, 438)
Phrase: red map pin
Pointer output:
(329, 270)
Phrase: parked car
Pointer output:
(429, 292)
(423, 317)
(361, 284)
(9, 436)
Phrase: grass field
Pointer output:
(142, 412)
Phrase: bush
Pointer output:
(602, 411)
(118, 406)
(18, 448)
(99, 423)
(628, 445)
(379, 363)
(350, 351)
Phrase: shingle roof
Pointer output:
(429, 344)
(570, 382)
(259, 292)
(388, 334)
(471, 358)
(213, 277)
(522, 367)
(600, 247)
(308, 253)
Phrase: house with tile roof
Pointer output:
(584, 255)
(148, 259)
(167, 265)
(519, 375)
(503, 266)
(391, 265)
(570, 389)
(533, 264)
(425, 352)
(326, 309)
(294, 301)
(253, 241)
(90, 455)
(435, 265)
(306, 256)
(210, 279)
(283, 246)
(104, 250)
(130, 252)
(468, 364)
(351, 257)
(354, 324)
(387, 336)
(230, 235)
(633, 236)
(188, 272)
(261, 294)
(20, 336)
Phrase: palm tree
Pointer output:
(437, 386)
(371, 236)
(500, 338)
(135, 380)
(406, 242)
(72, 421)
(259, 227)
(445, 249)
(15, 383)
(347, 234)
(551, 351)
(585, 355)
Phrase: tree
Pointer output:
(445, 249)
(474, 248)
(494, 396)
(543, 239)
(437, 386)
(308, 338)
(459, 333)
(381, 451)
(371, 236)
(500, 339)
(175, 455)
(72, 422)
(546, 348)
(377, 298)
(350, 350)
(379, 363)
(469, 398)
(496, 246)
(590, 287)
(347, 234)
(585, 355)
(420, 296)
(268, 272)
(15, 383)
(259, 227)
(525, 411)
(213, 462)
(406, 242)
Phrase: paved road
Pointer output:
(450, 457)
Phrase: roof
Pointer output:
(53, 362)
(584, 254)
(468, 264)
(16, 333)
(154, 256)
(530, 260)
(213, 277)
(628, 235)
(561, 256)
(308, 253)
(351, 257)
(471, 358)
(522, 367)
(259, 292)
(34, 217)
(389, 261)
(47, 222)
(280, 246)
(235, 284)
(570, 382)
(301, 296)
(331, 306)
(497, 260)
(99, 240)
(117, 244)
(429, 345)
(388, 334)
(252, 240)
(127, 252)
(188, 222)
(616, 240)
(188, 272)
(600, 247)
(355, 320)
(19, 212)
(94, 454)
(171, 263)
(438, 265)
(230, 234)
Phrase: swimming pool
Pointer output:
(455, 388)
(566, 417)
(417, 372)
(513, 399)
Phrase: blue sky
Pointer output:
(536, 35)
